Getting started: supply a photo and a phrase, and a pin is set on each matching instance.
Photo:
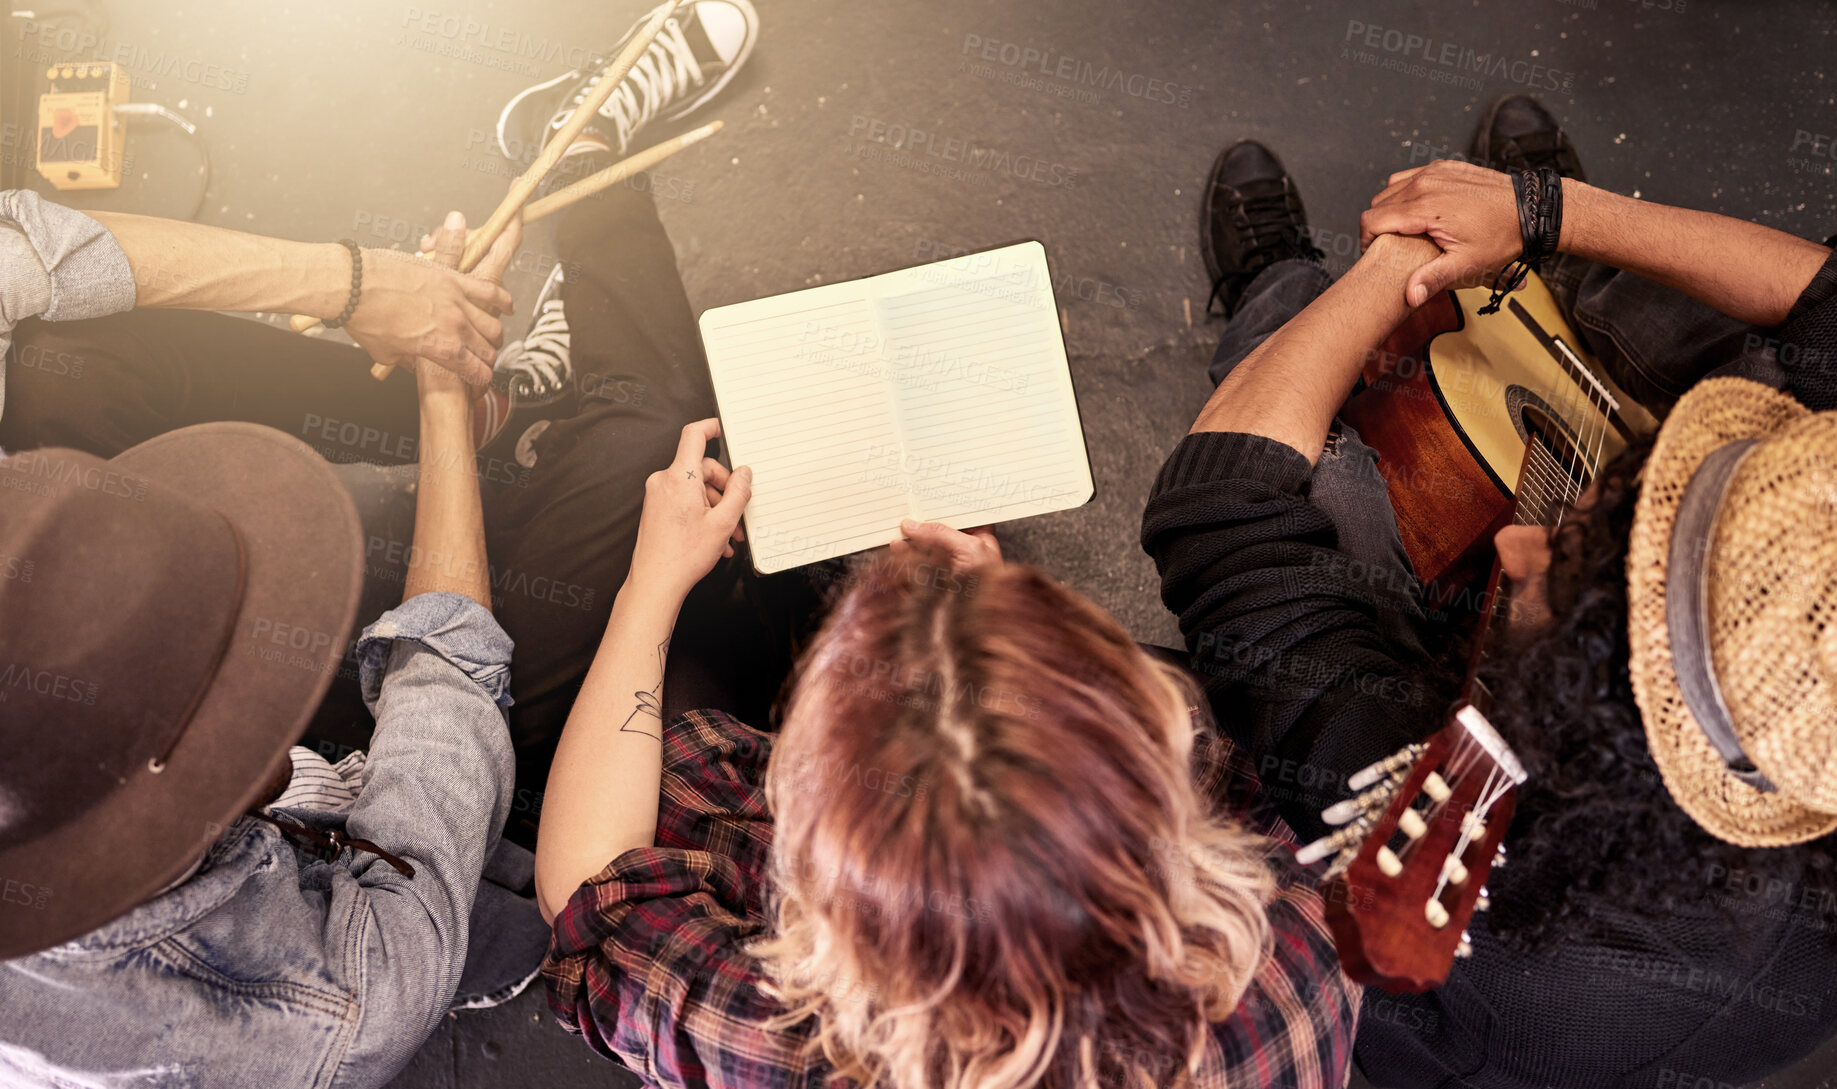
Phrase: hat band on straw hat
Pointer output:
(1687, 609)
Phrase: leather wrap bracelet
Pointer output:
(1539, 193)
(357, 284)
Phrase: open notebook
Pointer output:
(939, 393)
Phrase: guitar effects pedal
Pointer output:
(81, 140)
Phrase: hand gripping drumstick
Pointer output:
(588, 186)
(525, 186)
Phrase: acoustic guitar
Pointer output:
(1478, 421)
(1452, 402)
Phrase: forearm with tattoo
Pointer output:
(601, 799)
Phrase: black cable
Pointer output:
(203, 146)
(204, 187)
(96, 23)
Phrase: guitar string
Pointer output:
(1460, 763)
(1597, 400)
(1584, 450)
(1568, 401)
(1490, 793)
(1587, 450)
(1575, 448)
(1577, 392)
(1549, 481)
(1543, 481)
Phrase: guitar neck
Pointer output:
(1546, 489)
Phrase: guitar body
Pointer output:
(1450, 403)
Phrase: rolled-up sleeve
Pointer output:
(454, 627)
(56, 263)
(435, 672)
(650, 958)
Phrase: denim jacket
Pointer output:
(269, 969)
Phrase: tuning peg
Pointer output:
(1388, 862)
(1436, 914)
(1332, 844)
(1452, 871)
(1465, 948)
(1402, 758)
(1485, 902)
(1499, 859)
(1372, 800)
(1314, 852)
(1437, 788)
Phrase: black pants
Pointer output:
(559, 535)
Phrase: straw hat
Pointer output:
(1732, 612)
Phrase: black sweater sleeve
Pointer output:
(1285, 640)
(1807, 347)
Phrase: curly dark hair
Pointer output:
(1595, 831)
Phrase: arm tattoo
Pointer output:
(647, 717)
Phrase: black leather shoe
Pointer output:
(1251, 218)
(1519, 134)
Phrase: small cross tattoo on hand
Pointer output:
(690, 473)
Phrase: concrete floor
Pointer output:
(371, 119)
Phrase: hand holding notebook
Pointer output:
(939, 393)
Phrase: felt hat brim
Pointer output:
(303, 549)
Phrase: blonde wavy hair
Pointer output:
(991, 867)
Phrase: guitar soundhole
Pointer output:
(1541, 427)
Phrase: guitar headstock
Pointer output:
(1413, 851)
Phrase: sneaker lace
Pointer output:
(659, 76)
(543, 365)
(1272, 231)
(1271, 225)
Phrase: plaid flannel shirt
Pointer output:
(649, 959)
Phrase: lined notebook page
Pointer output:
(984, 394)
(806, 402)
(940, 393)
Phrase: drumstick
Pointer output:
(614, 174)
(525, 186)
(581, 190)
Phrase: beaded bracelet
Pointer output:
(357, 284)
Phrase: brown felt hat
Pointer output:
(1732, 612)
(172, 618)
